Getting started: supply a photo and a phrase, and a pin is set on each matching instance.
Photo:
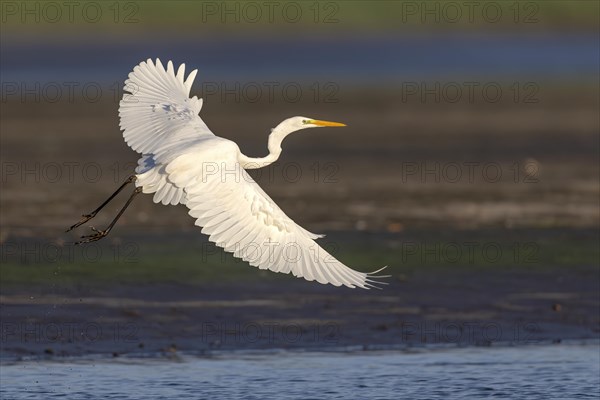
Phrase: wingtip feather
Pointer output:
(181, 73)
(190, 80)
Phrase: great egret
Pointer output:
(184, 162)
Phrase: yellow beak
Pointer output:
(325, 123)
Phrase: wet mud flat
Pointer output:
(398, 165)
(385, 195)
(199, 304)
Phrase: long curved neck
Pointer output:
(274, 146)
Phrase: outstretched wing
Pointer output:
(157, 114)
(242, 219)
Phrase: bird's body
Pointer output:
(183, 162)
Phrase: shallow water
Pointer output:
(565, 371)
(463, 56)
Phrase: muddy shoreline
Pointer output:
(430, 307)
(377, 193)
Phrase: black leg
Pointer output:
(86, 217)
(100, 234)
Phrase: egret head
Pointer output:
(292, 125)
(296, 123)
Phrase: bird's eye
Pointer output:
(305, 121)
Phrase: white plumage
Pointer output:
(184, 162)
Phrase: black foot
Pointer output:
(84, 218)
(92, 238)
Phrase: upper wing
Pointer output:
(241, 218)
(157, 113)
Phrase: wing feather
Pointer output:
(238, 216)
(153, 179)
(157, 113)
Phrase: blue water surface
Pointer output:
(562, 371)
(355, 59)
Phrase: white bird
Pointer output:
(184, 162)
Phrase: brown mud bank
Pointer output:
(431, 306)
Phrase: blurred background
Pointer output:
(469, 166)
